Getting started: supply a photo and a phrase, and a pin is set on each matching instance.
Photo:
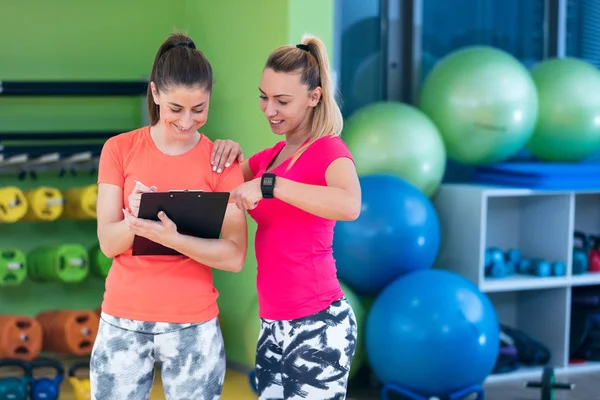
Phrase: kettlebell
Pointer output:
(81, 387)
(13, 388)
(580, 253)
(46, 388)
(594, 254)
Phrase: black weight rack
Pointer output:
(25, 150)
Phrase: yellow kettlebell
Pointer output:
(81, 387)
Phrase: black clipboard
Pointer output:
(196, 213)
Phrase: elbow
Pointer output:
(236, 267)
(237, 261)
(352, 212)
(107, 251)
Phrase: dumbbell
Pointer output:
(13, 266)
(494, 263)
(541, 268)
(13, 204)
(45, 204)
(13, 388)
(46, 388)
(512, 259)
(558, 268)
(549, 384)
(524, 266)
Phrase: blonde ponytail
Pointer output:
(327, 117)
(311, 60)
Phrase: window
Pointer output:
(515, 26)
(358, 55)
(583, 30)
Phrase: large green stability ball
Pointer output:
(397, 139)
(568, 127)
(484, 103)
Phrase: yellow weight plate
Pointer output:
(13, 204)
(80, 202)
(45, 204)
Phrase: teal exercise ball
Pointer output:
(568, 126)
(484, 103)
(396, 139)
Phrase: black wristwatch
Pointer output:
(267, 185)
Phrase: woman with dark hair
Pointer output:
(163, 309)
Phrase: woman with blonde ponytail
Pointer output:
(296, 191)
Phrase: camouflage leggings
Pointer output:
(307, 358)
(192, 359)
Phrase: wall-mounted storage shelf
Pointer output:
(540, 224)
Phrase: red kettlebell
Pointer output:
(594, 255)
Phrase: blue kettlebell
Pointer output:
(13, 388)
(46, 388)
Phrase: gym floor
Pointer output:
(587, 387)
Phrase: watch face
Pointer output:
(268, 181)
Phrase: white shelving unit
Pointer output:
(541, 225)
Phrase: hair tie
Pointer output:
(303, 47)
(189, 44)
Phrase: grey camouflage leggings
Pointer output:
(192, 359)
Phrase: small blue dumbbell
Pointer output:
(541, 268)
(559, 268)
(524, 266)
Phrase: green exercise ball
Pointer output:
(484, 103)
(250, 332)
(397, 139)
(568, 127)
(360, 315)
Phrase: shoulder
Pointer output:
(331, 142)
(328, 147)
(127, 139)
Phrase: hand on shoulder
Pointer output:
(224, 153)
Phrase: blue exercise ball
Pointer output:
(397, 232)
(432, 332)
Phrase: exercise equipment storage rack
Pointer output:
(540, 224)
(60, 149)
(73, 88)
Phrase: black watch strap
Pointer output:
(267, 185)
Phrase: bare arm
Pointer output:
(339, 200)
(247, 171)
(227, 253)
(113, 233)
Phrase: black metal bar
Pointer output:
(555, 28)
(56, 135)
(401, 23)
(64, 150)
(72, 88)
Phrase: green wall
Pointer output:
(71, 40)
(238, 53)
(108, 40)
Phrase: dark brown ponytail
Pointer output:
(178, 62)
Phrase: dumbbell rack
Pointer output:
(50, 153)
(17, 154)
(540, 223)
